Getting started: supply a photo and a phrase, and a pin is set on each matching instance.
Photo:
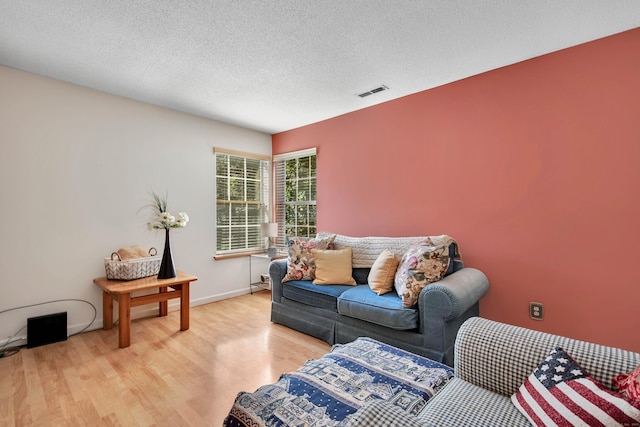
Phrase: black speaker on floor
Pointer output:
(47, 329)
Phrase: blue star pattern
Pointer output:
(558, 367)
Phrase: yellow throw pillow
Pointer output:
(383, 272)
(333, 267)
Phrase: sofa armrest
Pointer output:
(454, 294)
(445, 305)
(277, 271)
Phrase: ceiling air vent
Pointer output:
(372, 91)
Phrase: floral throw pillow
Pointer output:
(421, 265)
(300, 264)
(628, 385)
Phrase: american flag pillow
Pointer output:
(560, 393)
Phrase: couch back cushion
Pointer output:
(499, 357)
(360, 275)
(367, 249)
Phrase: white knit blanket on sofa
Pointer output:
(367, 249)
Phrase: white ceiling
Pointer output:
(274, 65)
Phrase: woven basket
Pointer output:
(133, 268)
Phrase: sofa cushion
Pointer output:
(381, 413)
(383, 272)
(300, 263)
(305, 292)
(421, 265)
(360, 275)
(560, 391)
(386, 310)
(461, 403)
(333, 267)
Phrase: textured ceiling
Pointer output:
(277, 65)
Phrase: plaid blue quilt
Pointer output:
(326, 391)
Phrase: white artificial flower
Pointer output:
(163, 219)
(183, 216)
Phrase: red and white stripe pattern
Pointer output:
(560, 393)
(628, 384)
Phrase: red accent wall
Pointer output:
(534, 168)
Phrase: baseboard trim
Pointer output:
(174, 305)
(138, 313)
(219, 297)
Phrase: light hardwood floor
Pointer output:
(165, 378)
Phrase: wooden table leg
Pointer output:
(184, 307)
(124, 332)
(163, 306)
(107, 311)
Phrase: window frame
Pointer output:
(281, 205)
(250, 221)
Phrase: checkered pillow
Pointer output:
(560, 392)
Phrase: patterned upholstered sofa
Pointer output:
(340, 314)
(492, 360)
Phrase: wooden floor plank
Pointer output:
(166, 377)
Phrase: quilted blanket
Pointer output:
(326, 391)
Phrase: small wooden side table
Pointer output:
(121, 290)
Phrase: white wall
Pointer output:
(75, 167)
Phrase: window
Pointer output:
(242, 196)
(295, 194)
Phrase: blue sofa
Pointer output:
(339, 314)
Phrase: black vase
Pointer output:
(167, 270)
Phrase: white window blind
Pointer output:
(295, 194)
(242, 200)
